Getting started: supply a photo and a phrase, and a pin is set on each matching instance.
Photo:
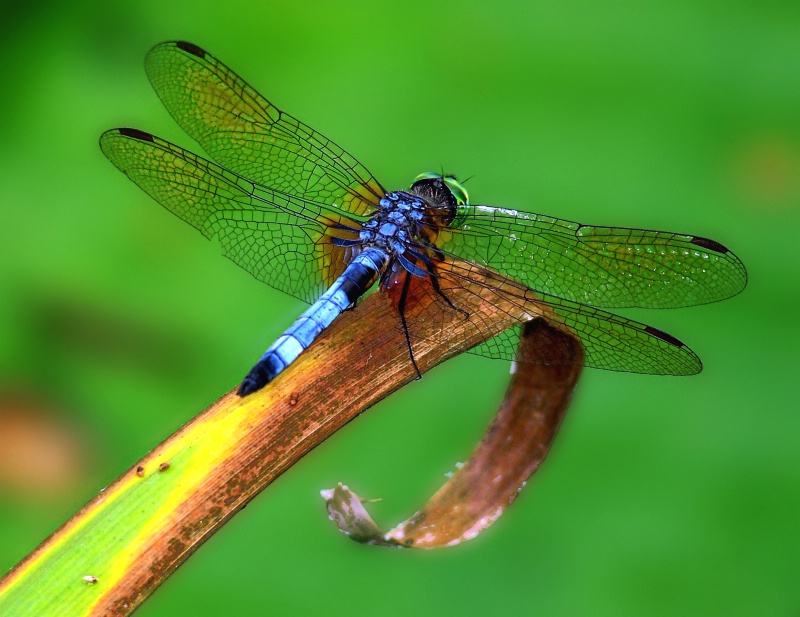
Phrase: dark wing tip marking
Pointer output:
(711, 245)
(667, 338)
(191, 48)
(136, 134)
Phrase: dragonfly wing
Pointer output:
(242, 131)
(611, 267)
(610, 342)
(280, 239)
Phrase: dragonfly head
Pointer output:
(443, 191)
(444, 186)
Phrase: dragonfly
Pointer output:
(301, 214)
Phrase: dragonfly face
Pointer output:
(303, 215)
(441, 189)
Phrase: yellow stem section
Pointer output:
(140, 529)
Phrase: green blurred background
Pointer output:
(662, 496)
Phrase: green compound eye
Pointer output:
(456, 189)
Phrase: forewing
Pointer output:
(242, 131)
(280, 239)
(611, 267)
(610, 342)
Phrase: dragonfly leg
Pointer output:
(401, 307)
(428, 262)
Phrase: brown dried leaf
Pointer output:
(512, 449)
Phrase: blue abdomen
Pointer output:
(357, 278)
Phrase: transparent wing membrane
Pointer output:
(280, 239)
(610, 342)
(611, 267)
(243, 131)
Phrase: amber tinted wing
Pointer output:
(280, 239)
(244, 132)
(610, 341)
